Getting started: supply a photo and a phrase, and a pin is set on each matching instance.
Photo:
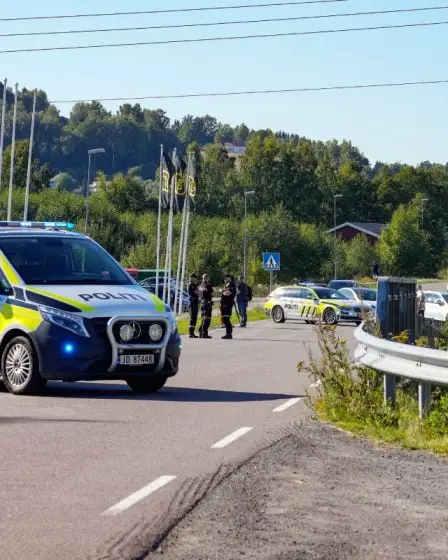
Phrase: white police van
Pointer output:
(70, 312)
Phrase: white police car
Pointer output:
(70, 312)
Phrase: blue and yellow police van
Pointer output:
(70, 312)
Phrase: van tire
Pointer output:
(20, 368)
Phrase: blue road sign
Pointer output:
(271, 261)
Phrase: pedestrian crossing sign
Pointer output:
(271, 261)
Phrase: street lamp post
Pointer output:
(91, 153)
(422, 207)
(335, 197)
(246, 194)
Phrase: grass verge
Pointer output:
(351, 397)
(253, 314)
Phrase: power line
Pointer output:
(173, 10)
(231, 38)
(221, 23)
(258, 92)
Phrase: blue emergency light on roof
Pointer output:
(39, 225)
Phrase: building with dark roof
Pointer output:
(349, 230)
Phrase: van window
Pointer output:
(62, 260)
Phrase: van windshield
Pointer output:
(62, 260)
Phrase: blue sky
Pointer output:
(403, 124)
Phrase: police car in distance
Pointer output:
(313, 303)
(70, 312)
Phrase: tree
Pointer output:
(125, 192)
(64, 181)
(404, 248)
(40, 175)
(360, 255)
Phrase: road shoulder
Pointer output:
(320, 493)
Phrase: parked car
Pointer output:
(436, 305)
(338, 284)
(362, 295)
(150, 285)
(311, 304)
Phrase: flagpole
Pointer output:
(13, 149)
(159, 219)
(181, 246)
(170, 231)
(2, 133)
(184, 258)
(30, 159)
(165, 278)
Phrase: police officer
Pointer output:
(228, 294)
(193, 292)
(206, 297)
(242, 300)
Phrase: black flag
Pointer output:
(179, 182)
(192, 181)
(167, 176)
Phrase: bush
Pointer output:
(352, 397)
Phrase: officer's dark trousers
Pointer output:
(228, 325)
(206, 313)
(194, 308)
(226, 316)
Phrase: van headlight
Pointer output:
(68, 321)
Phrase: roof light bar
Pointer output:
(39, 225)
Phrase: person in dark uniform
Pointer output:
(206, 297)
(228, 294)
(193, 292)
(242, 300)
(376, 270)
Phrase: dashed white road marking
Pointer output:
(287, 404)
(141, 494)
(231, 438)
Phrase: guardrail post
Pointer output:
(389, 390)
(424, 399)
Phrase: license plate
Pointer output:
(136, 359)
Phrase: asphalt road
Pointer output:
(94, 471)
(320, 494)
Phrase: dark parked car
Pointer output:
(338, 284)
(150, 285)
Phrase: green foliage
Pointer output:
(40, 175)
(360, 255)
(352, 397)
(286, 171)
(404, 247)
(125, 192)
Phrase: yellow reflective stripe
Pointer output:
(9, 272)
(63, 299)
(17, 316)
(160, 306)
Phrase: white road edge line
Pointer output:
(231, 438)
(141, 494)
(287, 404)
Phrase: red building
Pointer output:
(349, 230)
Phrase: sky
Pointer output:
(394, 124)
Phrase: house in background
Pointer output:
(349, 230)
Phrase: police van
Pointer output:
(70, 312)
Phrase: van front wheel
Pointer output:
(20, 368)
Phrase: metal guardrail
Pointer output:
(424, 365)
